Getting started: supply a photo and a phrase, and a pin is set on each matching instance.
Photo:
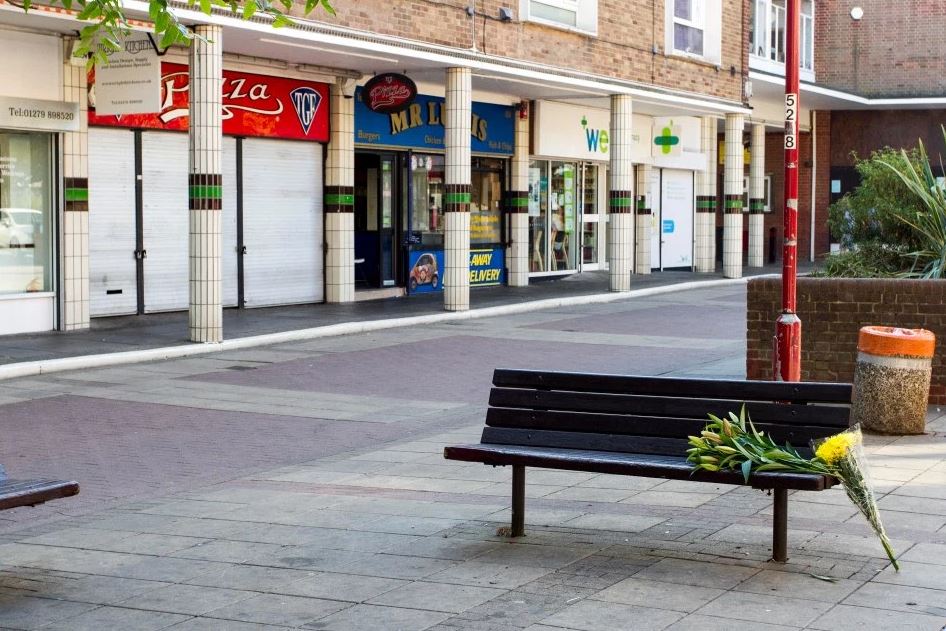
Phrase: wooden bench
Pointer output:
(638, 426)
(14, 493)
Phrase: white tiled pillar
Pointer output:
(732, 219)
(456, 281)
(517, 205)
(75, 229)
(340, 200)
(706, 200)
(756, 195)
(713, 191)
(644, 220)
(205, 315)
(620, 197)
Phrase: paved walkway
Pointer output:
(127, 333)
(303, 486)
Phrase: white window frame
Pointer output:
(767, 194)
(711, 26)
(761, 52)
(586, 14)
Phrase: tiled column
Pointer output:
(340, 200)
(620, 197)
(712, 190)
(205, 315)
(517, 205)
(456, 282)
(706, 200)
(644, 220)
(756, 195)
(75, 232)
(732, 220)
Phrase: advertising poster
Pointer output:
(252, 105)
(487, 268)
(129, 81)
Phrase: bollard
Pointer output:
(892, 379)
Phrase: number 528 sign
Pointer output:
(791, 120)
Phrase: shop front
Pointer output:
(271, 196)
(400, 194)
(568, 189)
(33, 121)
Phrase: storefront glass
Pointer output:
(26, 193)
(486, 201)
(538, 214)
(427, 173)
(563, 197)
(589, 210)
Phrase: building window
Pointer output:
(26, 219)
(768, 38)
(579, 15)
(693, 28)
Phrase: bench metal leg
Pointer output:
(518, 500)
(780, 527)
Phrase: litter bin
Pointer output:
(892, 379)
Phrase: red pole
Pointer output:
(788, 326)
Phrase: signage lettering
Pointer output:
(251, 105)
(597, 139)
(38, 114)
(389, 93)
(420, 125)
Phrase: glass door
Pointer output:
(591, 228)
(386, 225)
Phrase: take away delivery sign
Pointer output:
(252, 105)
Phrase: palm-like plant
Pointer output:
(929, 261)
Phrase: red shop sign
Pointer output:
(253, 105)
(389, 93)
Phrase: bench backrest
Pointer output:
(652, 414)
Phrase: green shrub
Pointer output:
(871, 213)
(865, 260)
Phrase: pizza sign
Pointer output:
(251, 105)
(389, 93)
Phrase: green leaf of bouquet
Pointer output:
(746, 470)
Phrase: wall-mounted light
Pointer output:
(857, 13)
(505, 14)
(523, 110)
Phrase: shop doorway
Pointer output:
(379, 206)
(673, 211)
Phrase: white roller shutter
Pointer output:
(228, 224)
(113, 288)
(165, 220)
(282, 222)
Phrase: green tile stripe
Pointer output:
(205, 191)
(340, 199)
(457, 198)
(708, 204)
(620, 202)
(756, 205)
(77, 194)
(733, 203)
(518, 202)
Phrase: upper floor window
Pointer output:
(579, 15)
(693, 28)
(768, 37)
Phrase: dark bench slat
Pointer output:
(651, 466)
(586, 441)
(636, 425)
(14, 493)
(815, 415)
(811, 392)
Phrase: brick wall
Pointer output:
(628, 30)
(865, 131)
(896, 50)
(832, 311)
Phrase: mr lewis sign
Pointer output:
(252, 105)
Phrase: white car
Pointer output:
(17, 226)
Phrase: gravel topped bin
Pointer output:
(892, 379)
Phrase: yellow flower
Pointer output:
(836, 447)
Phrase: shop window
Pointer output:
(486, 202)
(767, 37)
(26, 226)
(693, 28)
(427, 173)
(766, 194)
(580, 15)
(553, 216)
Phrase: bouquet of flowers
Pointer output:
(734, 444)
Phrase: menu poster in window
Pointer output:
(569, 201)
(535, 192)
(484, 227)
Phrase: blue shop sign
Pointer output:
(487, 267)
(668, 226)
(420, 126)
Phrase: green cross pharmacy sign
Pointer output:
(668, 139)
